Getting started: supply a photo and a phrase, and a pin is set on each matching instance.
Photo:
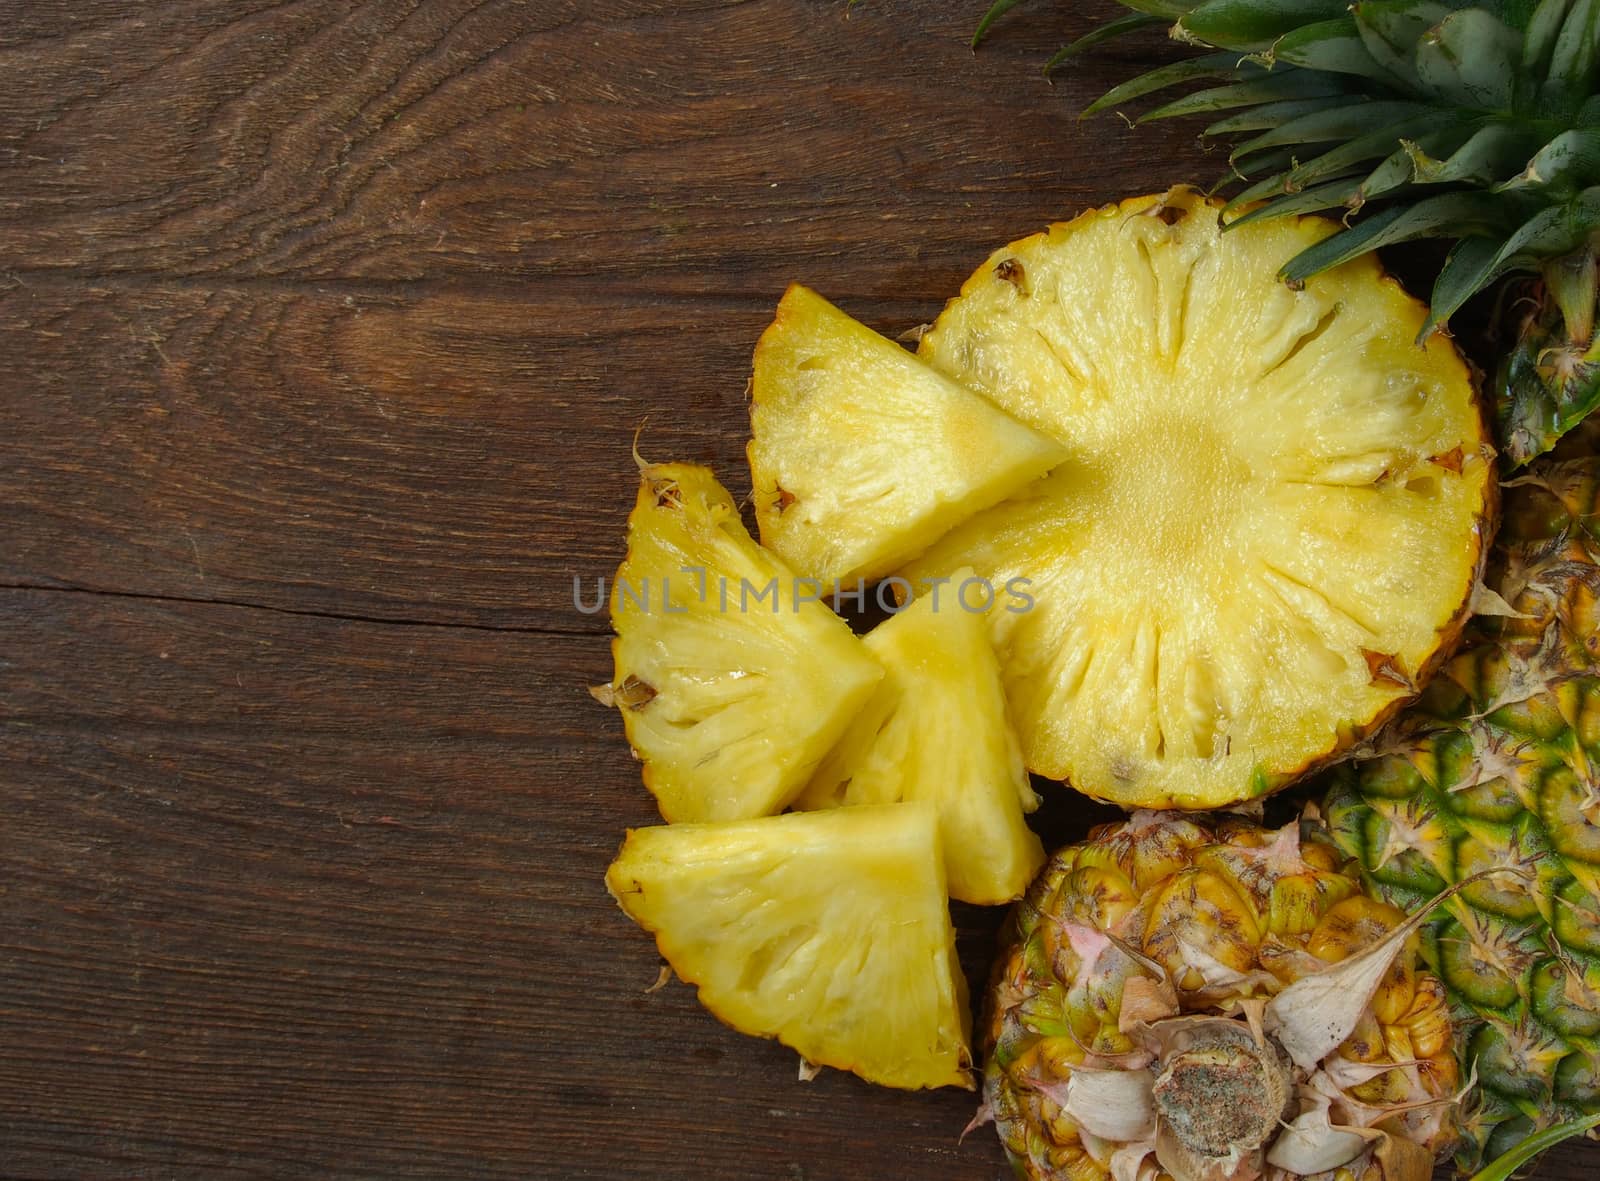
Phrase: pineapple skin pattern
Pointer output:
(1227, 919)
(1499, 765)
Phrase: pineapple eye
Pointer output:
(634, 693)
(1011, 271)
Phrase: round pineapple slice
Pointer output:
(1271, 517)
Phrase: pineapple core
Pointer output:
(1269, 519)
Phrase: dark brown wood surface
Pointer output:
(325, 332)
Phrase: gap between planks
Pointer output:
(304, 612)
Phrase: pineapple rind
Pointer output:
(1496, 766)
(743, 696)
(1271, 515)
(1180, 891)
(936, 730)
(862, 455)
(827, 930)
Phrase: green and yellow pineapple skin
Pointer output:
(1464, 120)
(1499, 767)
(1232, 912)
(1548, 381)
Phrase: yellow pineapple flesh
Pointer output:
(862, 455)
(732, 681)
(826, 930)
(1271, 513)
(936, 730)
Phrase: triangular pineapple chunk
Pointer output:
(862, 455)
(826, 930)
(732, 681)
(936, 730)
(1269, 526)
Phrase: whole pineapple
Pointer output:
(1499, 765)
(1191, 1002)
(1471, 120)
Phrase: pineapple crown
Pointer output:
(1478, 122)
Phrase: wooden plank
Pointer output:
(286, 893)
(707, 147)
(453, 458)
(347, 313)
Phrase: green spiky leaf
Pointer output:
(1274, 87)
(1253, 25)
(1274, 161)
(1377, 145)
(1567, 163)
(1131, 23)
(1265, 115)
(1469, 268)
(996, 10)
(1390, 30)
(1495, 152)
(1333, 195)
(1539, 38)
(1469, 59)
(1450, 215)
(1558, 229)
(1214, 65)
(1342, 123)
(1334, 46)
(1572, 61)
(1503, 1167)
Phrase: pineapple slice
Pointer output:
(936, 730)
(826, 930)
(862, 455)
(732, 680)
(1268, 528)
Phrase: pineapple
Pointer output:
(861, 455)
(1214, 1002)
(1472, 121)
(732, 680)
(1498, 766)
(1270, 518)
(936, 730)
(827, 930)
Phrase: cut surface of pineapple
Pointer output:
(826, 930)
(1270, 519)
(731, 680)
(936, 730)
(862, 455)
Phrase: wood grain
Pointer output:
(288, 894)
(696, 148)
(326, 329)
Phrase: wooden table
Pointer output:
(325, 332)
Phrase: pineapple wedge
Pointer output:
(826, 930)
(1268, 528)
(732, 681)
(936, 730)
(861, 454)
